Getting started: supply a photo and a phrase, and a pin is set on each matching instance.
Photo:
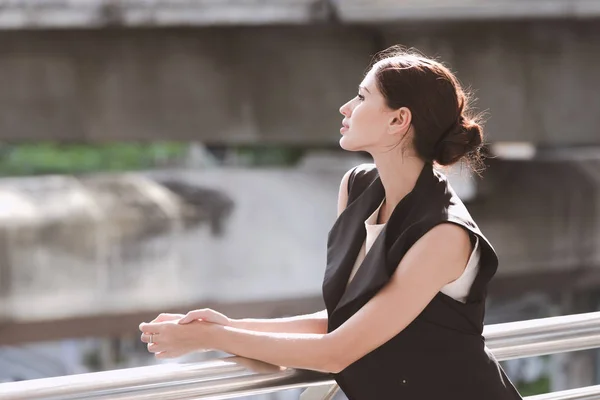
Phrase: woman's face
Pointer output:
(368, 124)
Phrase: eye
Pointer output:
(361, 97)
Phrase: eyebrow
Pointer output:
(364, 88)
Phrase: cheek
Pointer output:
(364, 132)
(367, 120)
(359, 120)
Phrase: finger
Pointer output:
(145, 338)
(165, 317)
(191, 316)
(155, 348)
(194, 315)
(162, 355)
(186, 320)
(142, 326)
(149, 338)
(149, 328)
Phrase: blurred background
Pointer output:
(166, 155)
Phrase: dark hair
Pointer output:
(445, 132)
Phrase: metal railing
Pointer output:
(234, 377)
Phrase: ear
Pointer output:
(400, 121)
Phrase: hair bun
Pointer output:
(462, 139)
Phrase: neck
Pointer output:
(398, 175)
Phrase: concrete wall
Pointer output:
(57, 14)
(119, 261)
(538, 80)
(542, 217)
(407, 10)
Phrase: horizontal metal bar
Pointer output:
(217, 379)
(586, 393)
(235, 376)
(544, 336)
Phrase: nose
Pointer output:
(345, 110)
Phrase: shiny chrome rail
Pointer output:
(234, 377)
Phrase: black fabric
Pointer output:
(442, 353)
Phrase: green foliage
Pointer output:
(55, 158)
(92, 361)
(44, 158)
(539, 386)
(269, 155)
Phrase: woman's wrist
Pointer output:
(235, 323)
(216, 336)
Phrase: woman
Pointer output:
(407, 267)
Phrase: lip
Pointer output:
(344, 127)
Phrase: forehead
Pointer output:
(369, 80)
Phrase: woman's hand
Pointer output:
(164, 317)
(206, 315)
(170, 339)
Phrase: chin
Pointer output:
(347, 144)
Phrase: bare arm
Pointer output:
(310, 323)
(418, 278)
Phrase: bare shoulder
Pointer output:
(451, 231)
(444, 251)
(343, 192)
(450, 239)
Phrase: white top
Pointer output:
(458, 289)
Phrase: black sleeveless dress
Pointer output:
(442, 353)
